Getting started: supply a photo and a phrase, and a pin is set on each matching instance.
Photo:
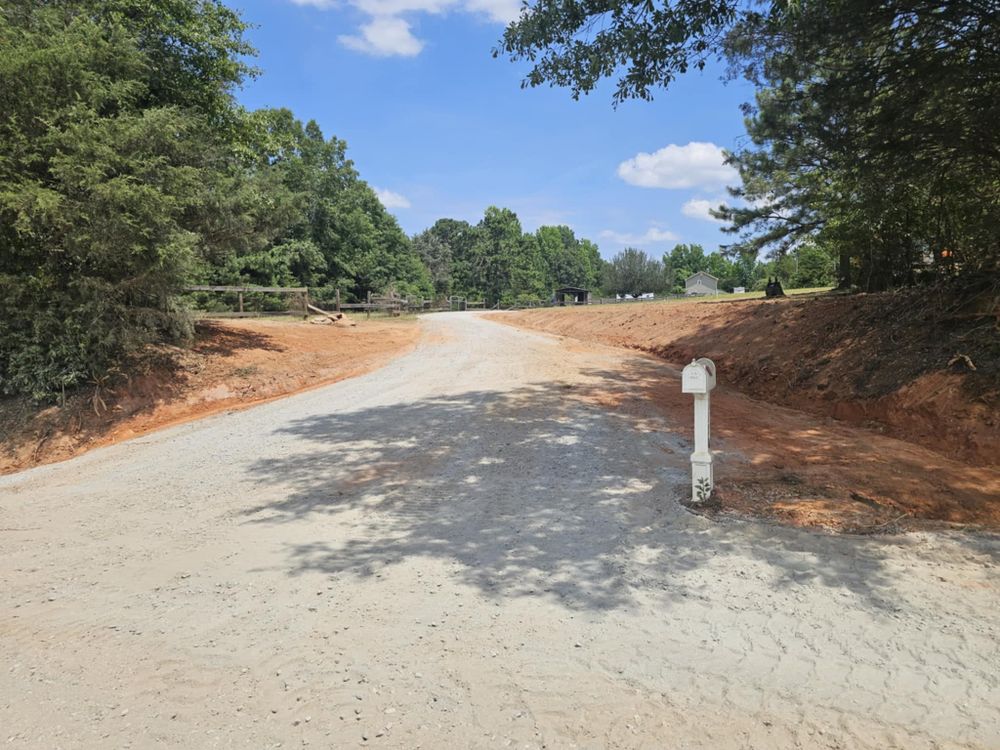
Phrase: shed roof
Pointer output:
(701, 273)
(572, 289)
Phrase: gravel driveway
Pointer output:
(467, 549)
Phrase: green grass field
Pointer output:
(722, 297)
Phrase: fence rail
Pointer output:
(237, 289)
(392, 305)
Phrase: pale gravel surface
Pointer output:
(460, 551)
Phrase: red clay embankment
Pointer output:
(912, 365)
(231, 365)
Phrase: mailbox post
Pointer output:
(698, 379)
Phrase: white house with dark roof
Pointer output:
(701, 283)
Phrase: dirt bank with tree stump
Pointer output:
(917, 365)
(232, 365)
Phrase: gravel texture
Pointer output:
(465, 549)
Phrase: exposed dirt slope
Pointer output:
(232, 365)
(896, 362)
(787, 466)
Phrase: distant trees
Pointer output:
(632, 272)
(685, 260)
(436, 257)
(503, 261)
(806, 265)
(323, 226)
(569, 261)
(495, 260)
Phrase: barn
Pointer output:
(701, 283)
(575, 295)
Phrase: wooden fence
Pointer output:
(389, 305)
(301, 302)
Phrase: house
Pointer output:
(701, 283)
(575, 295)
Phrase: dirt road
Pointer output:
(466, 549)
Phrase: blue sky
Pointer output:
(442, 129)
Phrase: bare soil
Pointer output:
(231, 365)
(900, 436)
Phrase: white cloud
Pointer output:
(392, 8)
(697, 164)
(387, 34)
(501, 11)
(698, 208)
(651, 236)
(384, 37)
(392, 200)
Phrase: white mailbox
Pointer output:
(698, 378)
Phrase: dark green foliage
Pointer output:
(632, 272)
(497, 262)
(577, 43)
(436, 256)
(127, 170)
(568, 260)
(811, 266)
(109, 140)
(322, 226)
(874, 134)
(447, 251)
(874, 130)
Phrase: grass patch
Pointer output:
(709, 299)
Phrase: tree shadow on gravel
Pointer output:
(546, 490)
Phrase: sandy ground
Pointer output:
(467, 548)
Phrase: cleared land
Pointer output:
(478, 545)
(916, 368)
(233, 364)
(929, 447)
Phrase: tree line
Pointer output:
(872, 132)
(497, 262)
(633, 271)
